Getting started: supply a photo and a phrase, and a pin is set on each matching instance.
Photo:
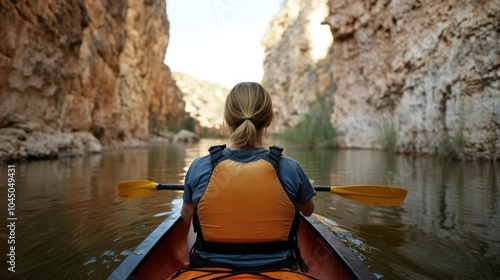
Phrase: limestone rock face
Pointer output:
(86, 66)
(204, 102)
(429, 69)
(297, 68)
(16, 144)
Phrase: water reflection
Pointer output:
(72, 225)
(446, 229)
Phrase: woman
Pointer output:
(244, 200)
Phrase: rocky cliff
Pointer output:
(86, 66)
(425, 72)
(297, 71)
(204, 103)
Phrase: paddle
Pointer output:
(368, 194)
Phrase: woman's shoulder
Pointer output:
(288, 162)
(201, 162)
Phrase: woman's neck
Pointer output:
(255, 145)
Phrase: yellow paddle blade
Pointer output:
(136, 188)
(372, 194)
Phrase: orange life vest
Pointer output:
(245, 209)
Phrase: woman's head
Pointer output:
(248, 110)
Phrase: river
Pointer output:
(69, 223)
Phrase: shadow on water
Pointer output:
(71, 225)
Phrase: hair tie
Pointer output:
(246, 119)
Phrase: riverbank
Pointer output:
(21, 143)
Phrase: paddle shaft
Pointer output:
(173, 187)
(322, 188)
(180, 187)
(376, 195)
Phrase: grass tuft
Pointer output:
(315, 129)
(389, 135)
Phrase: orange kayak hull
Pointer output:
(165, 251)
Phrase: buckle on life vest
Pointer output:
(273, 156)
(216, 154)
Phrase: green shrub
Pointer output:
(389, 135)
(315, 129)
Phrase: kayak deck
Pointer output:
(165, 251)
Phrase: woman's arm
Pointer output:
(306, 208)
(187, 212)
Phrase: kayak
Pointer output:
(165, 251)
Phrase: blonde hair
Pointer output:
(248, 108)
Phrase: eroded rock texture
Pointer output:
(428, 70)
(84, 66)
(297, 70)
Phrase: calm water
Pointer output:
(71, 225)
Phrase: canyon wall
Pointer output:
(425, 73)
(82, 68)
(204, 103)
(297, 71)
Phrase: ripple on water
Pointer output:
(162, 214)
(125, 253)
(92, 260)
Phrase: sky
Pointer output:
(219, 40)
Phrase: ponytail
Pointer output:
(248, 107)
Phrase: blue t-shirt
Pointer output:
(292, 177)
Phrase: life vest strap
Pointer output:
(275, 152)
(243, 248)
(216, 155)
(195, 261)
